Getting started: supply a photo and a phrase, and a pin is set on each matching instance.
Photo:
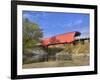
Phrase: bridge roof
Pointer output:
(61, 38)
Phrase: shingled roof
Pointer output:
(61, 38)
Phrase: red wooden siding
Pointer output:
(62, 38)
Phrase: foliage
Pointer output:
(31, 34)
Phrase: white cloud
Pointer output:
(75, 23)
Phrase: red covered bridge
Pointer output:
(60, 39)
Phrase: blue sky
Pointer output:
(53, 23)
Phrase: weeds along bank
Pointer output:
(59, 52)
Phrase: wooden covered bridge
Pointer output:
(60, 39)
(61, 51)
(65, 38)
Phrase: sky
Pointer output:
(54, 23)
